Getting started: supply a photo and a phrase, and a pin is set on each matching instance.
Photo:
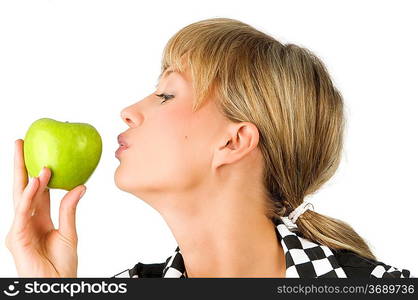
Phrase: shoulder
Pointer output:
(357, 266)
(354, 265)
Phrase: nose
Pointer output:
(130, 117)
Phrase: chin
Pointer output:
(118, 179)
(125, 181)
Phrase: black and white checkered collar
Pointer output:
(304, 259)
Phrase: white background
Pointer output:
(84, 61)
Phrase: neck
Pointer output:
(225, 235)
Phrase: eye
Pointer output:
(165, 97)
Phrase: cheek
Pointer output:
(167, 155)
(175, 154)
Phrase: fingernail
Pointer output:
(41, 172)
(83, 192)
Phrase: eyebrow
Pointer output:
(164, 75)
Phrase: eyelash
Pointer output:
(165, 97)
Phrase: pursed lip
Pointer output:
(122, 140)
(123, 145)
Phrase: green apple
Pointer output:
(71, 150)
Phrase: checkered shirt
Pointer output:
(304, 259)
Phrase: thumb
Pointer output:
(67, 212)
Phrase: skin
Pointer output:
(203, 174)
(200, 171)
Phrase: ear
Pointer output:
(240, 140)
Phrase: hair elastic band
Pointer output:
(290, 220)
(294, 215)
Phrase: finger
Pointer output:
(45, 208)
(24, 207)
(67, 212)
(41, 199)
(20, 175)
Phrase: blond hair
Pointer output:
(286, 91)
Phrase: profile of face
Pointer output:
(170, 148)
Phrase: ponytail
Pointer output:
(321, 229)
(333, 233)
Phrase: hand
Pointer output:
(38, 249)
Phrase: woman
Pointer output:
(240, 130)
